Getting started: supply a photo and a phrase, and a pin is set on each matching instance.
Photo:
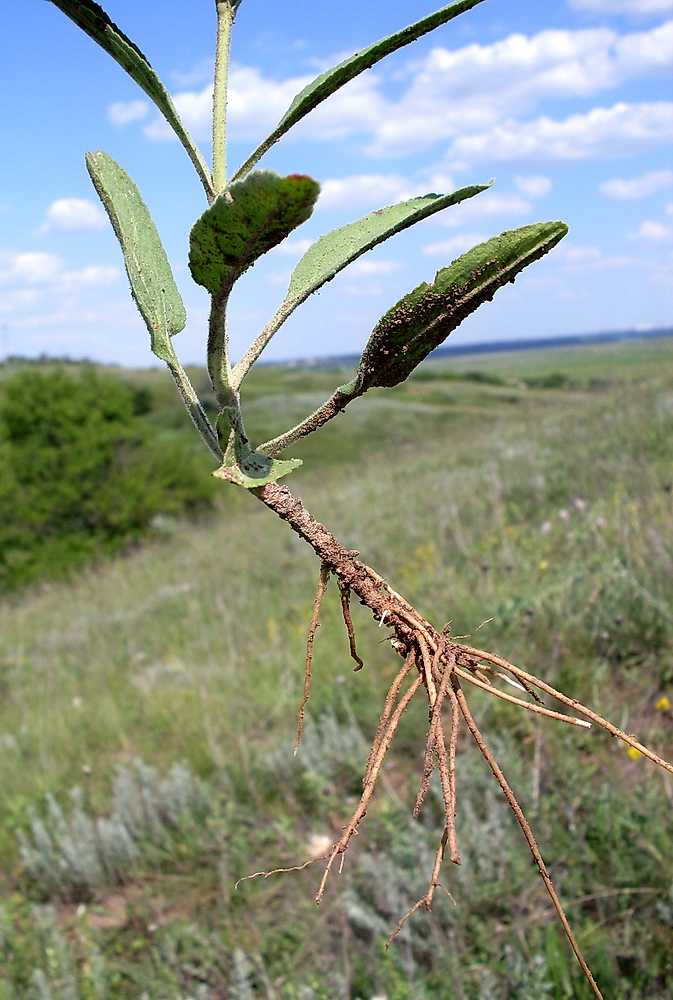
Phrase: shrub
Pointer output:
(76, 476)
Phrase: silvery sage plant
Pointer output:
(248, 213)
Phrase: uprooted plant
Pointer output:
(249, 213)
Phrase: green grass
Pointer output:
(547, 510)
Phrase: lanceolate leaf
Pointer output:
(152, 284)
(340, 247)
(92, 19)
(424, 318)
(252, 217)
(327, 83)
(335, 250)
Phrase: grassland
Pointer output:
(532, 489)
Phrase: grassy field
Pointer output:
(532, 489)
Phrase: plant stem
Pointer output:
(332, 408)
(225, 20)
(219, 367)
(194, 408)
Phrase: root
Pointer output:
(571, 703)
(374, 763)
(538, 709)
(346, 611)
(441, 664)
(322, 584)
(527, 832)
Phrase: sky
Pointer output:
(566, 103)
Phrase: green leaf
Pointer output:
(340, 247)
(92, 19)
(149, 272)
(327, 83)
(424, 318)
(253, 216)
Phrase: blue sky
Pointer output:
(566, 103)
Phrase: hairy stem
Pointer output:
(194, 408)
(225, 20)
(332, 408)
(219, 367)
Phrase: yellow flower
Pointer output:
(633, 753)
(663, 704)
(543, 564)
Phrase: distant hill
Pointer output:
(494, 347)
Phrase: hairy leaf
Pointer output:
(92, 19)
(424, 318)
(253, 216)
(152, 283)
(327, 83)
(335, 250)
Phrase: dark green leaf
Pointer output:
(424, 318)
(252, 217)
(92, 19)
(327, 83)
(152, 284)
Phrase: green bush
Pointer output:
(77, 478)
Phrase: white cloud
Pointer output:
(373, 191)
(464, 93)
(70, 215)
(638, 187)
(367, 189)
(455, 246)
(37, 289)
(254, 106)
(618, 131)
(485, 206)
(29, 268)
(654, 231)
(47, 270)
(533, 187)
(473, 89)
(123, 112)
(580, 259)
(366, 268)
(292, 248)
(634, 8)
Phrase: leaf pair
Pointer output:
(337, 249)
(92, 19)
